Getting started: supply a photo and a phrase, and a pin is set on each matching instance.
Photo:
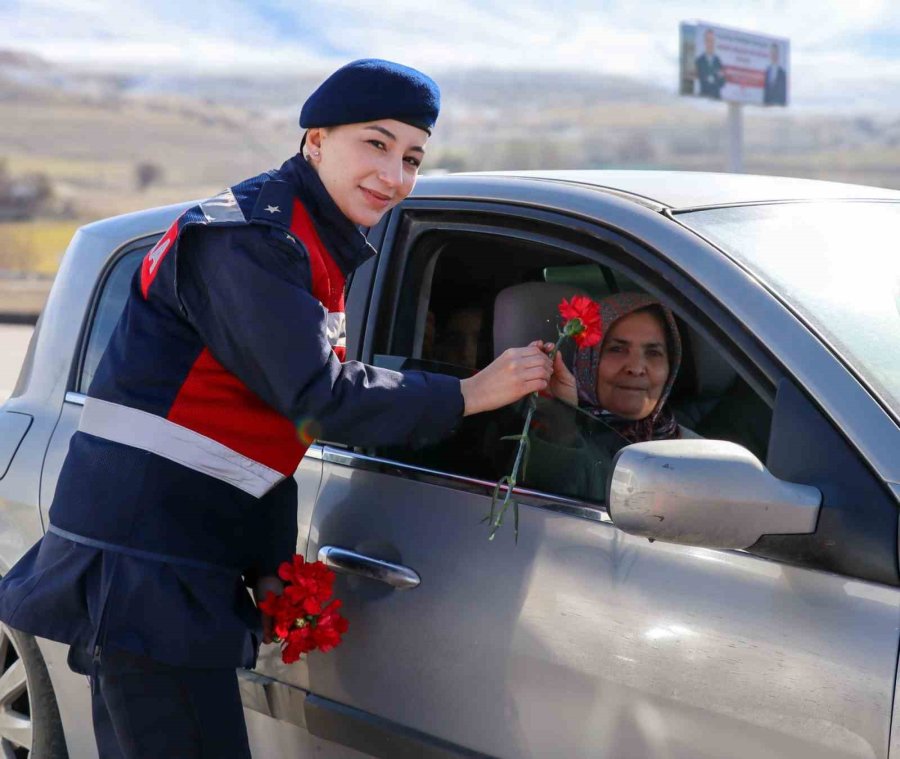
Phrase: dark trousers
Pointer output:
(145, 709)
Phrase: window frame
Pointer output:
(588, 239)
(77, 373)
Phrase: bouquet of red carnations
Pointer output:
(305, 615)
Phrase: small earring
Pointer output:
(315, 154)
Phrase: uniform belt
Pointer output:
(139, 553)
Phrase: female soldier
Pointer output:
(178, 488)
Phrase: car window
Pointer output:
(109, 307)
(465, 299)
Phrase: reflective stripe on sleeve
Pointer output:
(222, 207)
(155, 434)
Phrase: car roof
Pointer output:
(674, 190)
(136, 224)
(684, 190)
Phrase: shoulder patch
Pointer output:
(274, 204)
(153, 259)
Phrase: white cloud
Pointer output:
(844, 46)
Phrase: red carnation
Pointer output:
(330, 626)
(582, 320)
(299, 641)
(306, 579)
(305, 616)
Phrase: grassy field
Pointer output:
(21, 300)
(83, 171)
(35, 246)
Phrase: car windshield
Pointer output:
(836, 264)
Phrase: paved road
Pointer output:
(13, 344)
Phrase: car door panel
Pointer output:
(583, 641)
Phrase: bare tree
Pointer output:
(147, 173)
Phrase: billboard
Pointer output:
(729, 64)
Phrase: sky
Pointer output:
(850, 48)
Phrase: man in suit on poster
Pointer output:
(775, 88)
(709, 68)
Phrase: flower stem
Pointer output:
(496, 515)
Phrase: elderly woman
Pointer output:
(623, 384)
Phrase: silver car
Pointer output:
(760, 616)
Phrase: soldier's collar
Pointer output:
(344, 240)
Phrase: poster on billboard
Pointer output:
(729, 64)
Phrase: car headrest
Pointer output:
(527, 312)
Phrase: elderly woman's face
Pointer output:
(367, 168)
(634, 366)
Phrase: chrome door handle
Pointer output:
(351, 563)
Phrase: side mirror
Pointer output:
(707, 493)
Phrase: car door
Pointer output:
(579, 640)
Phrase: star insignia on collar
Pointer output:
(273, 209)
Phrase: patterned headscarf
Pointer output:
(660, 424)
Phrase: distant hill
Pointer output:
(492, 86)
(21, 59)
(482, 86)
(88, 130)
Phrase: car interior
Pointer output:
(467, 299)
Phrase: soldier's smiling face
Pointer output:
(367, 168)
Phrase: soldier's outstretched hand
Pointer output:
(512, 375)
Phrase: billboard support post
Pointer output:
(735, 138)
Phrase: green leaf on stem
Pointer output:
(526, 440)
(516, 522)
(496, 494)
(503, 507)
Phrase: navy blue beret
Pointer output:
(371, 89)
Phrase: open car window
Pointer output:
(466, 298)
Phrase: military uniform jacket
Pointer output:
(177, 489)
